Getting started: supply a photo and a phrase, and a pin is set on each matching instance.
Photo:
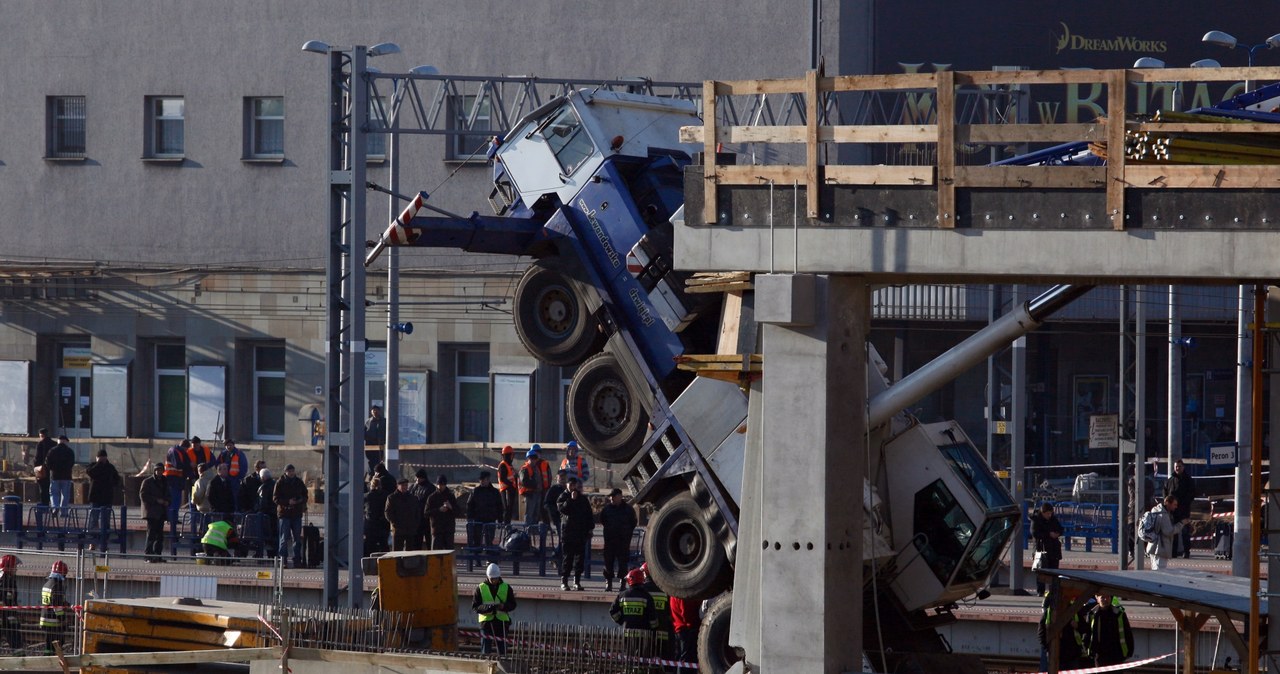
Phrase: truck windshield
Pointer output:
(986, 552)
(567, 139)
(966, 462)
(941, 529)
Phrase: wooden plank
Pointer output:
(788, 85)
(946, 106)
(1237, 74)
(1150, 176)
(1210, 127)
(981, 77)
(878, 82)
(131, 627)
(428, 663)
(710, 174)
(813, 111)
(1079, 177)
(728, 286)
(96, 641)
(730, 324)
(879, 175)
(1116, 90)
(761, 175)
(144, 659)
(1030, 133)
(221, 615)
(870, 133)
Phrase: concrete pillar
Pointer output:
(813, 461)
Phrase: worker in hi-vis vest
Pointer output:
(494, 600)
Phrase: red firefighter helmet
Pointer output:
(8, 563)
(635, 577)
(59, 567)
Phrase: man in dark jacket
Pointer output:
(404, 514)
(551, 514)
(154, 495)
(578, 525)
(421, 489)
(1070, 641)
(385, 478)
(1183, 486)
(1046, 530)
(104, 482)
(1109, 639)
(376, 527)
(247, 494)
(42, 454)
(619, 522)
(484, 509)
(222, 494)
(267, 506)
(60, 461)
(442, 510)
(290, 497)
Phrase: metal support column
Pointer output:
(1242, 543)
(391, 402)
(1175, 379)
(1140, 496)
(1018, 440)
(1125, 405)
(345, 317)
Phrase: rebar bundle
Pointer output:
(1157, 147)
(362, 630)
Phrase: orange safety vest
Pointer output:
(199, 457)
(540, 473)
(172, 469)
(506, 476)
(577, 471)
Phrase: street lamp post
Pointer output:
(1221, 39)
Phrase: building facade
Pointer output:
(163, 208)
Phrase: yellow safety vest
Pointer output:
(217, 534)
(486, 596)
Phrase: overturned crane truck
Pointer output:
(589, 186)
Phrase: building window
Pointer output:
(171, 390)
(471, 395)
(265, 127)
(473, 116)
(66, 136)
(166, 116)
(379, 118)
(268, 392)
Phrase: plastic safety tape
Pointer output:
(1115, 668)
(607, 655)
(77, 609)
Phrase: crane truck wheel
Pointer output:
(605, 414)
(715, 655)
(684, 555)
(551, 317)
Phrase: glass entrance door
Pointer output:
(75, 403)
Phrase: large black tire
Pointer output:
(551, 316)
(684, 555)
(715, 656)
(605, 415)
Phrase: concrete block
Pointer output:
(786, 299)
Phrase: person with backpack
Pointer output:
(1158, 529)
(1046, 530)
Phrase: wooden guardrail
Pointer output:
(946, 176)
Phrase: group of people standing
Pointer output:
(422, 516)
(216, 489)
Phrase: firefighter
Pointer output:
(10, 621)
(633, 609)
(493, 601)
(664, 634)
(53, 606)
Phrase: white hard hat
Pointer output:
(492, 571)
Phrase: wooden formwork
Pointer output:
(1115, 178)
